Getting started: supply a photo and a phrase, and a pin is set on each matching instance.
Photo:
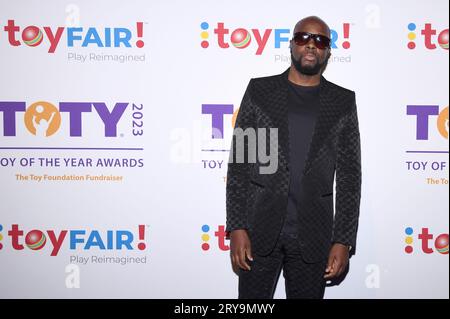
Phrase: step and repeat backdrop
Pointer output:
(116, 120)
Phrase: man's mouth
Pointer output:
(310, 58)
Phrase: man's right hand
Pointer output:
(240, 249)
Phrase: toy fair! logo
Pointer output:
(429, 37)
(34, 36)
(427, 240)
(220, 234)
(78, 239)
(242, 38)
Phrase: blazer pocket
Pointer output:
(327, 194)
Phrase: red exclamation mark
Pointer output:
(140, 33)
(141, 246)
(346, 44)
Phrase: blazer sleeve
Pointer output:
(348, 180)
(238, 173)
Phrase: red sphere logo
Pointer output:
(443, 39)
(441, 243)
(35, 239)
(32, 36)
(240, 38)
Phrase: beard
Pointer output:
(308, 69)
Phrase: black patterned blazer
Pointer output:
(258, 202)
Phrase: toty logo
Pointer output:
(44, 119)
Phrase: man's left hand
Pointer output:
(337, 261)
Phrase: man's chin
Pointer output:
(309, 70)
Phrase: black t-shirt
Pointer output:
(303, 105)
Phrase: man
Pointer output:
(286, 220)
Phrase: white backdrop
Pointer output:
(168, 186)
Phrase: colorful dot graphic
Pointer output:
(1, 236)
(204, 34)
(205, 237)
(412, 36)
(409, 240)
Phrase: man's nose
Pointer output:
(311, 44)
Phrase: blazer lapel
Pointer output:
(276, 106)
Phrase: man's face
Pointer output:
(308, 59)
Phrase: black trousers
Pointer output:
(302, 280)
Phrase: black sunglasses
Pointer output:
(321, 41)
